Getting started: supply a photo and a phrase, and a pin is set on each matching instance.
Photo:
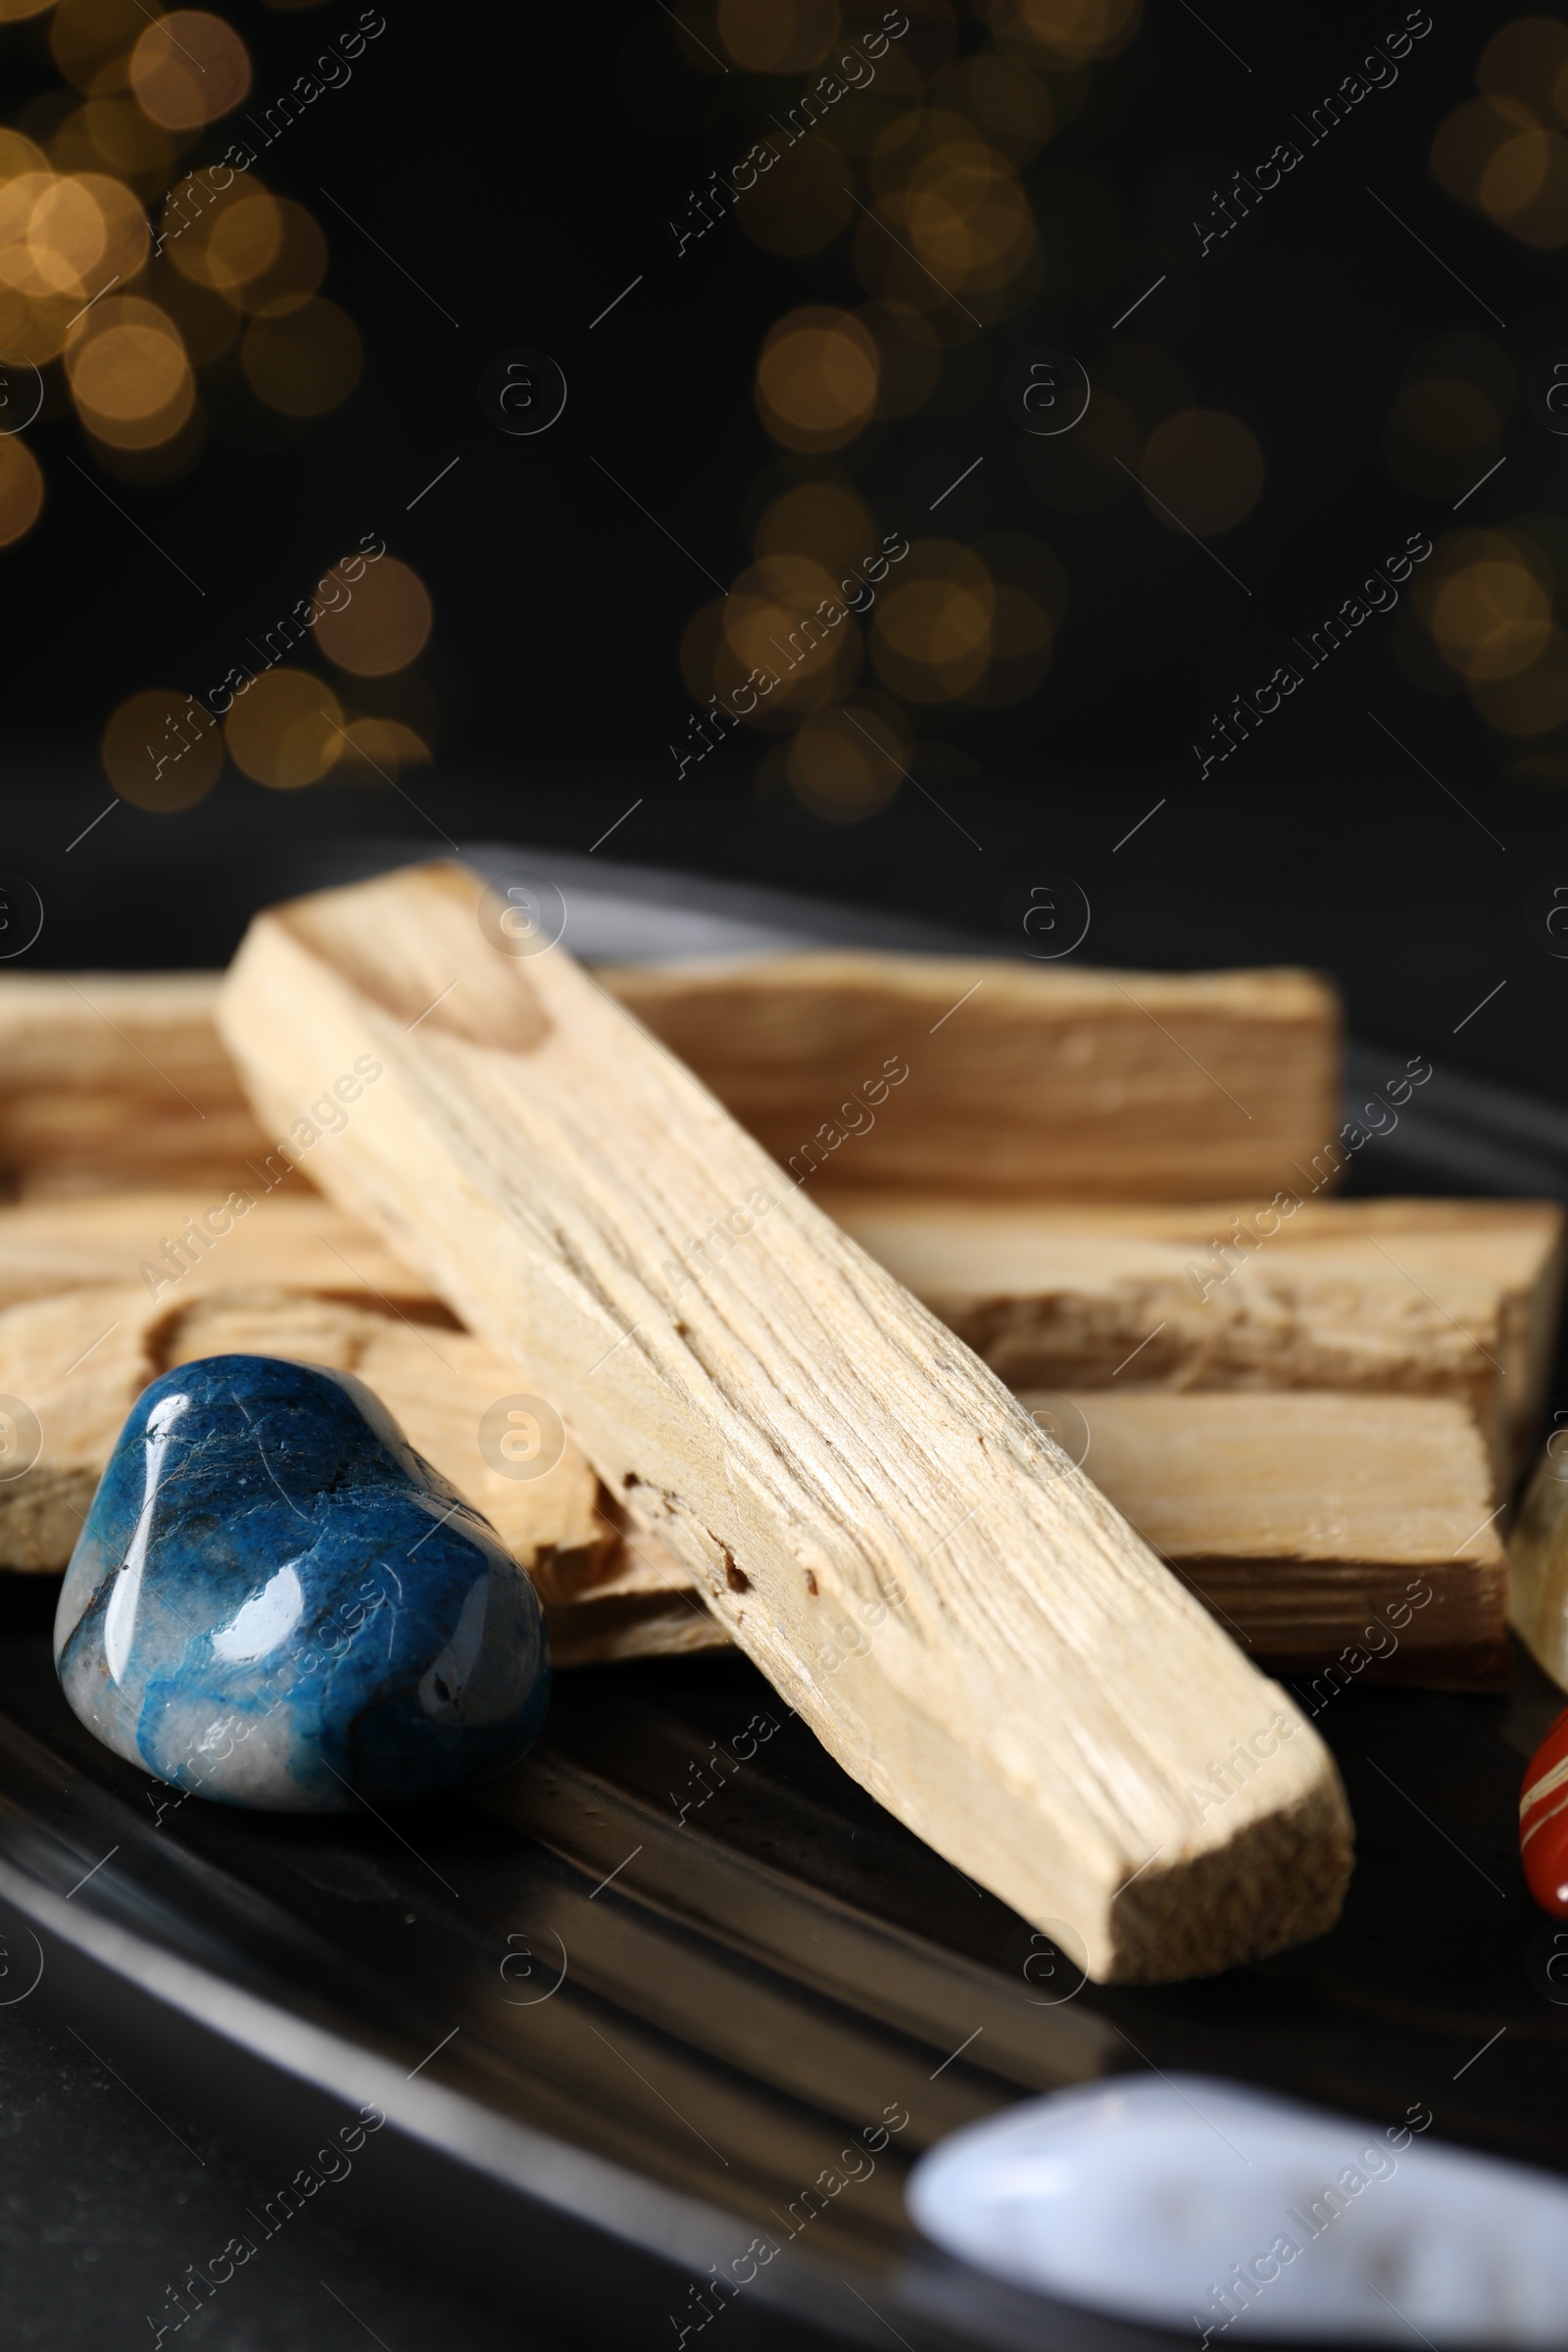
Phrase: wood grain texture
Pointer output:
(1425, 1299)
(968, 1626)
(115, 1077)
(79, 1360)
(1033, 1080)
(287, 1239)
(1303, 1520)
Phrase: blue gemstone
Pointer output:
(276, 1602)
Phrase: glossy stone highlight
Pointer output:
(1543, 1820)
(276, 1602)
(1217, 2212)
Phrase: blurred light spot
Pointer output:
(1515, 173)
(285, 730)
(129, 374)
(188, 68)
(777, 36)
(20, 490)
(18, 155)
(1469, 137)
(12, 12)
(1535, 699)
(1064, 31)
(1207, 467)
(819, 519)
(785, 622)
(846, 764)
(1450, 413)
(377, 749)
(1490, 618)
(1003, 99)
(113, 134)
(817, 379)
(162, 749)
(931, 632)
(305, 362)
(385, 624)
(1524, 61)
(92, 41)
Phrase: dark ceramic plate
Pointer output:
(615, 2046)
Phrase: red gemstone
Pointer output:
(1543, 1820)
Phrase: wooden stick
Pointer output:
(175, 1244)
(78, 1362)
(931, 1071)
(1456, 1299)
(1319, 1529)
(967, 1625)
(113, 1077)
(1538, 1563)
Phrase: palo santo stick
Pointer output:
(931, 1071)
(1438, 1299)
(114, 1077)
(80, 1362)
(1024, 1685)
(175, 1244)
(1311, 1524)
(1538, 1563)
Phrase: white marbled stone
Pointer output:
(1187, 2202)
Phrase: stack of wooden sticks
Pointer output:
(1116, 1188)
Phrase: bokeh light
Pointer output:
(285, 730)
(305, 361)
(188, 68)
(1065, 32)
(20, 490)
(129, 374)
(1206, 468)
(777, 36)
(375, 750)
(92, 41)
(802, 208)
(1503, 151)
(846, 764)
(817, 379)
(384, 626)
(931, 630)
(161, 751)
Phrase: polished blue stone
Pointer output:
(276, 1602)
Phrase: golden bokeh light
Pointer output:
(384, 626)
(1524, 62)
(285, 730)
(825, 520)
(375, 750)
(188, 68)
(13, 12)
(785, 621)
(129, 374)
(1467, 139)
(777, 36)
(161, 751)
(1206, 468)
(846, 764)
(1533, 701)
(92, 41)
(1063, 31)
(305, 362)
(817, 379)
(1447, 422)
(20, 490)
(1490, 618)
(1006, 101)
(931, 630)
(113, 134)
